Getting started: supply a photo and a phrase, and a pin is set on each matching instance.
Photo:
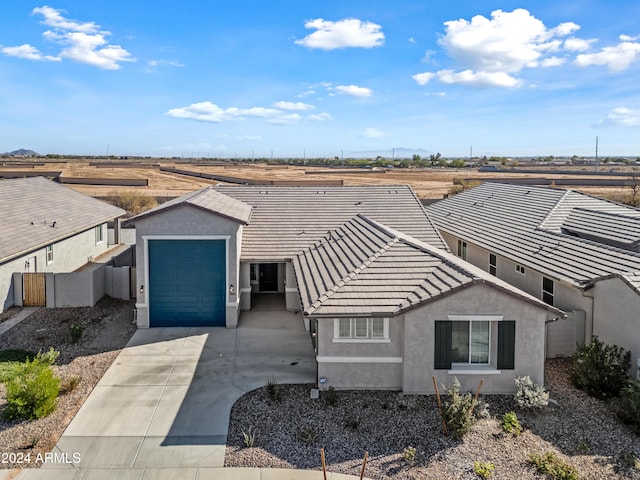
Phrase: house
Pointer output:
(47, 228)
(574, 251)
(385, 301)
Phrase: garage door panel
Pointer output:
(187, 282)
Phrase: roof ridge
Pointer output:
(554, 209)
(355, 272)
(606, 212)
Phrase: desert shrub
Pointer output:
(601, 370)
(550, 464)
(458, 410)
(69, 384)
(510, 424)
(10, 360)
(307, 435)
(409, 455)
(629, 411)
(249, 437)
(33, 390)
(132, 202)
(75, 330)
(272, 389)
(483, 469)
(330, 396)
(530, 396)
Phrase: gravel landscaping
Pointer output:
(290, 432)
(105, 330)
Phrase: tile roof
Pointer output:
(610, 228)
(525, 224)
(287, 219)
(366, 268)
(35, 212)
(207, 199)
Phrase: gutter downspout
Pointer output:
(588, 334)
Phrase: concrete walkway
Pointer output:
(17, 318)
(162, 409)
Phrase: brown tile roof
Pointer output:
(365, 268)
(35, 212)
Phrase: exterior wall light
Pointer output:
(232, 290)
(141, 289)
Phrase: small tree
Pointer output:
(601, 370)
(458, 410)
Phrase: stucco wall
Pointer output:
(185, 221)
(68, 255)
(566, 297)
(479, 299)
(617, 316)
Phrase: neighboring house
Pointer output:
(46, 227)
(387, 304)
(574, 251)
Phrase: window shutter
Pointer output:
(442, 345)
(506, 344)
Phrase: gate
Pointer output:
(34, 290)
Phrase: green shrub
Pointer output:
(552, 465)
(601, 370)
(510, 424)
(249, 437)
(10, 360)
(629, 411)
(409, 455)
(273, 389)
(330, 396)
(75, 330)
(483, 469)
(530, 396)
(33, 390)
(458, 410)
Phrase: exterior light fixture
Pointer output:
(232, 290)
(141, 289)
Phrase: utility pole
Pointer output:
(596, 154)
(471, 152)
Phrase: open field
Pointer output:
(428, 183)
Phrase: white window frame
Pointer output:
(462, 249)
(520, 269)
(99, 234)
(468, 363)
(352, 338)
(49, 254)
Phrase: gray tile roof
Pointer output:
(365, 268)
(207, 199)
(524, 224)
(285, 219)
(35, 212)
(610, 228)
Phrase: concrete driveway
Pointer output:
(166, 400)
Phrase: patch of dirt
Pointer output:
(289, 434)
(106, 329)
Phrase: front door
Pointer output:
(268, 277)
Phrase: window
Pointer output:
(49, 254)
(462, 249)
(361, 328)
(469, 342)
(493, 264)
(547, 290)
(520, 268)
(99, 234)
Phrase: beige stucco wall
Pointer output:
(566, 296)
(188, 223)
(477, 300)
(617, 316)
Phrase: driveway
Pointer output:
(166, 400)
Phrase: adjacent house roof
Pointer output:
(366, 268)
(35, 212)
(207, 199)
(540, 228)
(285, 220)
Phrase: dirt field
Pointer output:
(428, 183)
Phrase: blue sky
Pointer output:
(291, 78)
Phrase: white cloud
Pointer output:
(373, 133)
(153, 65)
(622, 117)
(349, 32)
(354, 90)
(82, 42)
(53, 18)
(286, 119)
(293, 106)
(616, 58)
(578, 44)
(320, 117)
(493, 51)
(28, 52)
(210, 112)
(628, 38)
(553, 62)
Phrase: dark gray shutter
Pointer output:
(442, 345)
(506, 344)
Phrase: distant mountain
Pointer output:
(23, 153)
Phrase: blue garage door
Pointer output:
(187, 283)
